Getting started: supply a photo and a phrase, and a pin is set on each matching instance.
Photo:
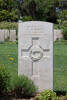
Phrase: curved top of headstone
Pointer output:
(35, 27)
(35, 22)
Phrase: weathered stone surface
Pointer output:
(58, 34)
(2, 36)
(36, 53)
(12, 35)
(6, 33)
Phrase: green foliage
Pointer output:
(8, 16)
(62, 15)
(9, 25)
(8, 4)
(60, 26)
(66, 95)
(4, 79)
(9, 10)
(23, 86)
(13, 16)
(47, 95)
(43, 10)
(65, 33)
(27, 18)
(3, 15)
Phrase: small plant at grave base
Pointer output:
(11, 59)
(4, 79)
(24, 87)
(66, 96)
(47, 95)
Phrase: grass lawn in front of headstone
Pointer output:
(60, 66)
(9, 58)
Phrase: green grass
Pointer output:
(60, 66)
(10, 50)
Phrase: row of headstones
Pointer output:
(11, 35)
(7, 34)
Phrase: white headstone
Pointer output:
(12, 35)
(36, 53)
(6, 32)
(2, 36)
(57, 34)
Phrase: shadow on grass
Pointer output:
(59, 93)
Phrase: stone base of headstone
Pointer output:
(12, 35)
(57, 34)
(6, 32)
(2, 39)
